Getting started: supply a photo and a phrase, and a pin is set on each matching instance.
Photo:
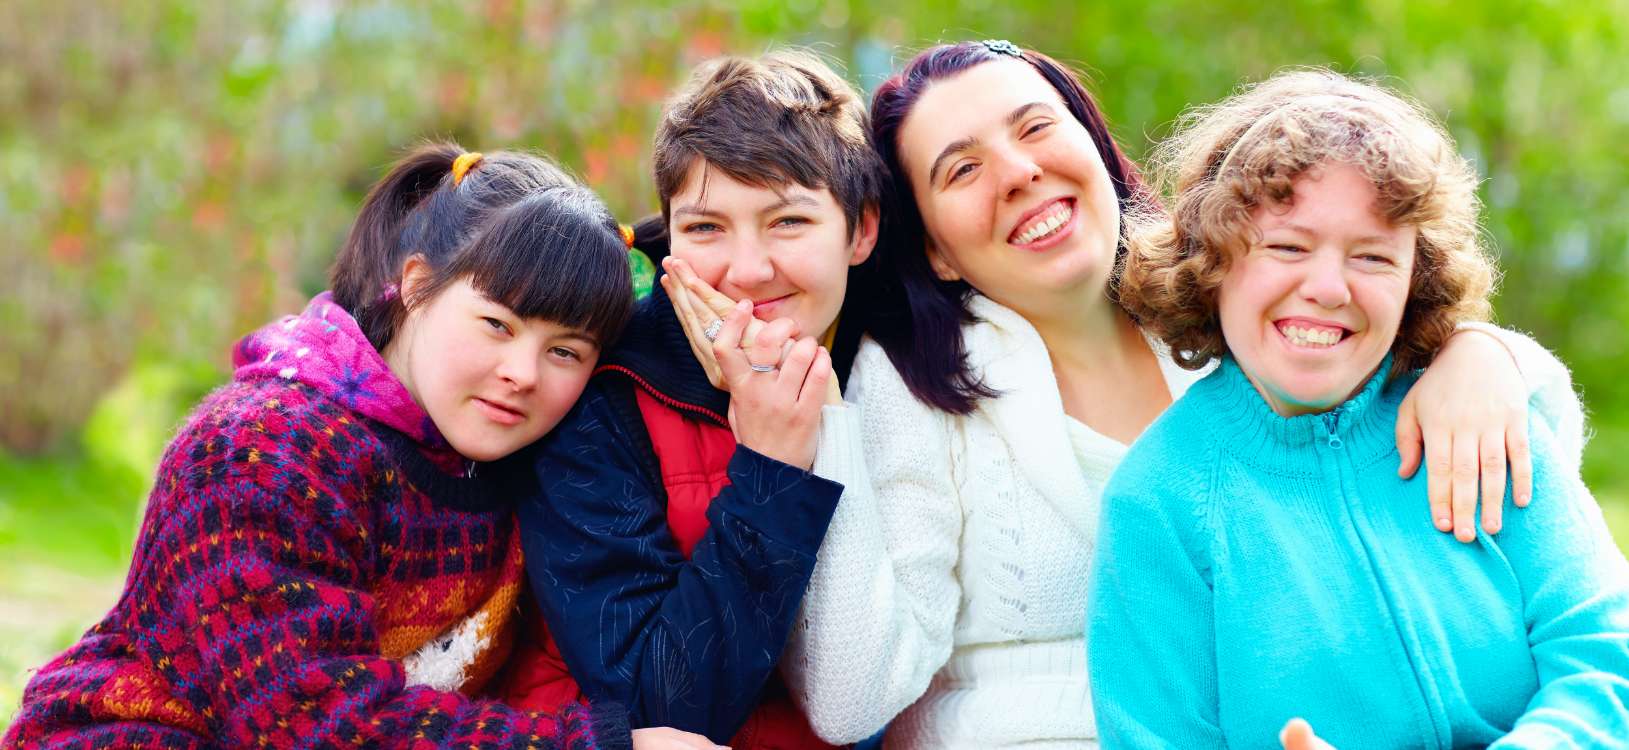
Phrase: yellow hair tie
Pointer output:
(463, 164)
(627, 235)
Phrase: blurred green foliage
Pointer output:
(174, 173)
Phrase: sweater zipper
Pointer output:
(663, 397)
(1332, 421)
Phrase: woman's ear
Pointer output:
(941, 265)
(865, 236)
(415, 277)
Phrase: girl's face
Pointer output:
(1310, 311)
(491, 381)
(786, 248)
(1012, 190)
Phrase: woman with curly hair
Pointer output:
(1259, 558)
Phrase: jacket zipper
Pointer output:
(663, 397)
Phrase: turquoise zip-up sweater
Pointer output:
(1253, 568)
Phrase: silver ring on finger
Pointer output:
(713, 328)
(763, 368)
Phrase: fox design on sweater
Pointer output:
(309, 547)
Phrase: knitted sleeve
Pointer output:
(248, 618)
(1150, 620)
(683, 643)
(878, 620)
(1575, 589)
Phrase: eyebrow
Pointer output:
(785, 202)
(581, 336)
(788, 201)
(697, 211)
(1370, 239)
(962, 144)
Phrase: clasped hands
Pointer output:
(778, 378)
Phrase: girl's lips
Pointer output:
(765, 310)
(501, 414)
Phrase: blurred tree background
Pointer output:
(174, 173)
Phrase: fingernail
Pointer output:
(1443, 524)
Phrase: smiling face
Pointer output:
(1012, 190)
(491, 381)
(1310, 310)
(786, 248)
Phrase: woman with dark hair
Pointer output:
(999, 389)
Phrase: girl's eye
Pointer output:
(960, 170)
(1036, 128)
(564, 353)
(1287, 249)
(702, 227)
(789, 221)
(497, 325)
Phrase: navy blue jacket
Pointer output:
(683, 643)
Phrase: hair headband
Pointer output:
(463, 164)
(1003, 47)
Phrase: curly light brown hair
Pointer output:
(1225, 160)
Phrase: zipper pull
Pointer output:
(469, 470)
(1332, 420)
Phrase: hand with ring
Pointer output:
(702, 317)
(773, 410)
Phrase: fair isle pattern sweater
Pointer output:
(309, 573)
(1253, 568)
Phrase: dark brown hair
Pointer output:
(783, 118)
(518, 228)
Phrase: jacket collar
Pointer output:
(655, 354)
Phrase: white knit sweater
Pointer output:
(995, 511)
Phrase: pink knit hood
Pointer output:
(324, 348)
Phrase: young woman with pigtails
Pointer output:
(323, 562)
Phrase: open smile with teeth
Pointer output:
(1312, 337)
(1044, 224)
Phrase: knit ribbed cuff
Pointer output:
(839, 456)
(610, 722)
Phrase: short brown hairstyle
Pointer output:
(1227, 159)
(783, 118)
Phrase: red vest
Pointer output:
(694, 456)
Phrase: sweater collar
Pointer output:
(324, 348)
(655, 354)
(1364, 426)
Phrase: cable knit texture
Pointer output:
(309, 573)
(949, 584)
(1255, 568)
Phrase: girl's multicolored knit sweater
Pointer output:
(312, 571)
